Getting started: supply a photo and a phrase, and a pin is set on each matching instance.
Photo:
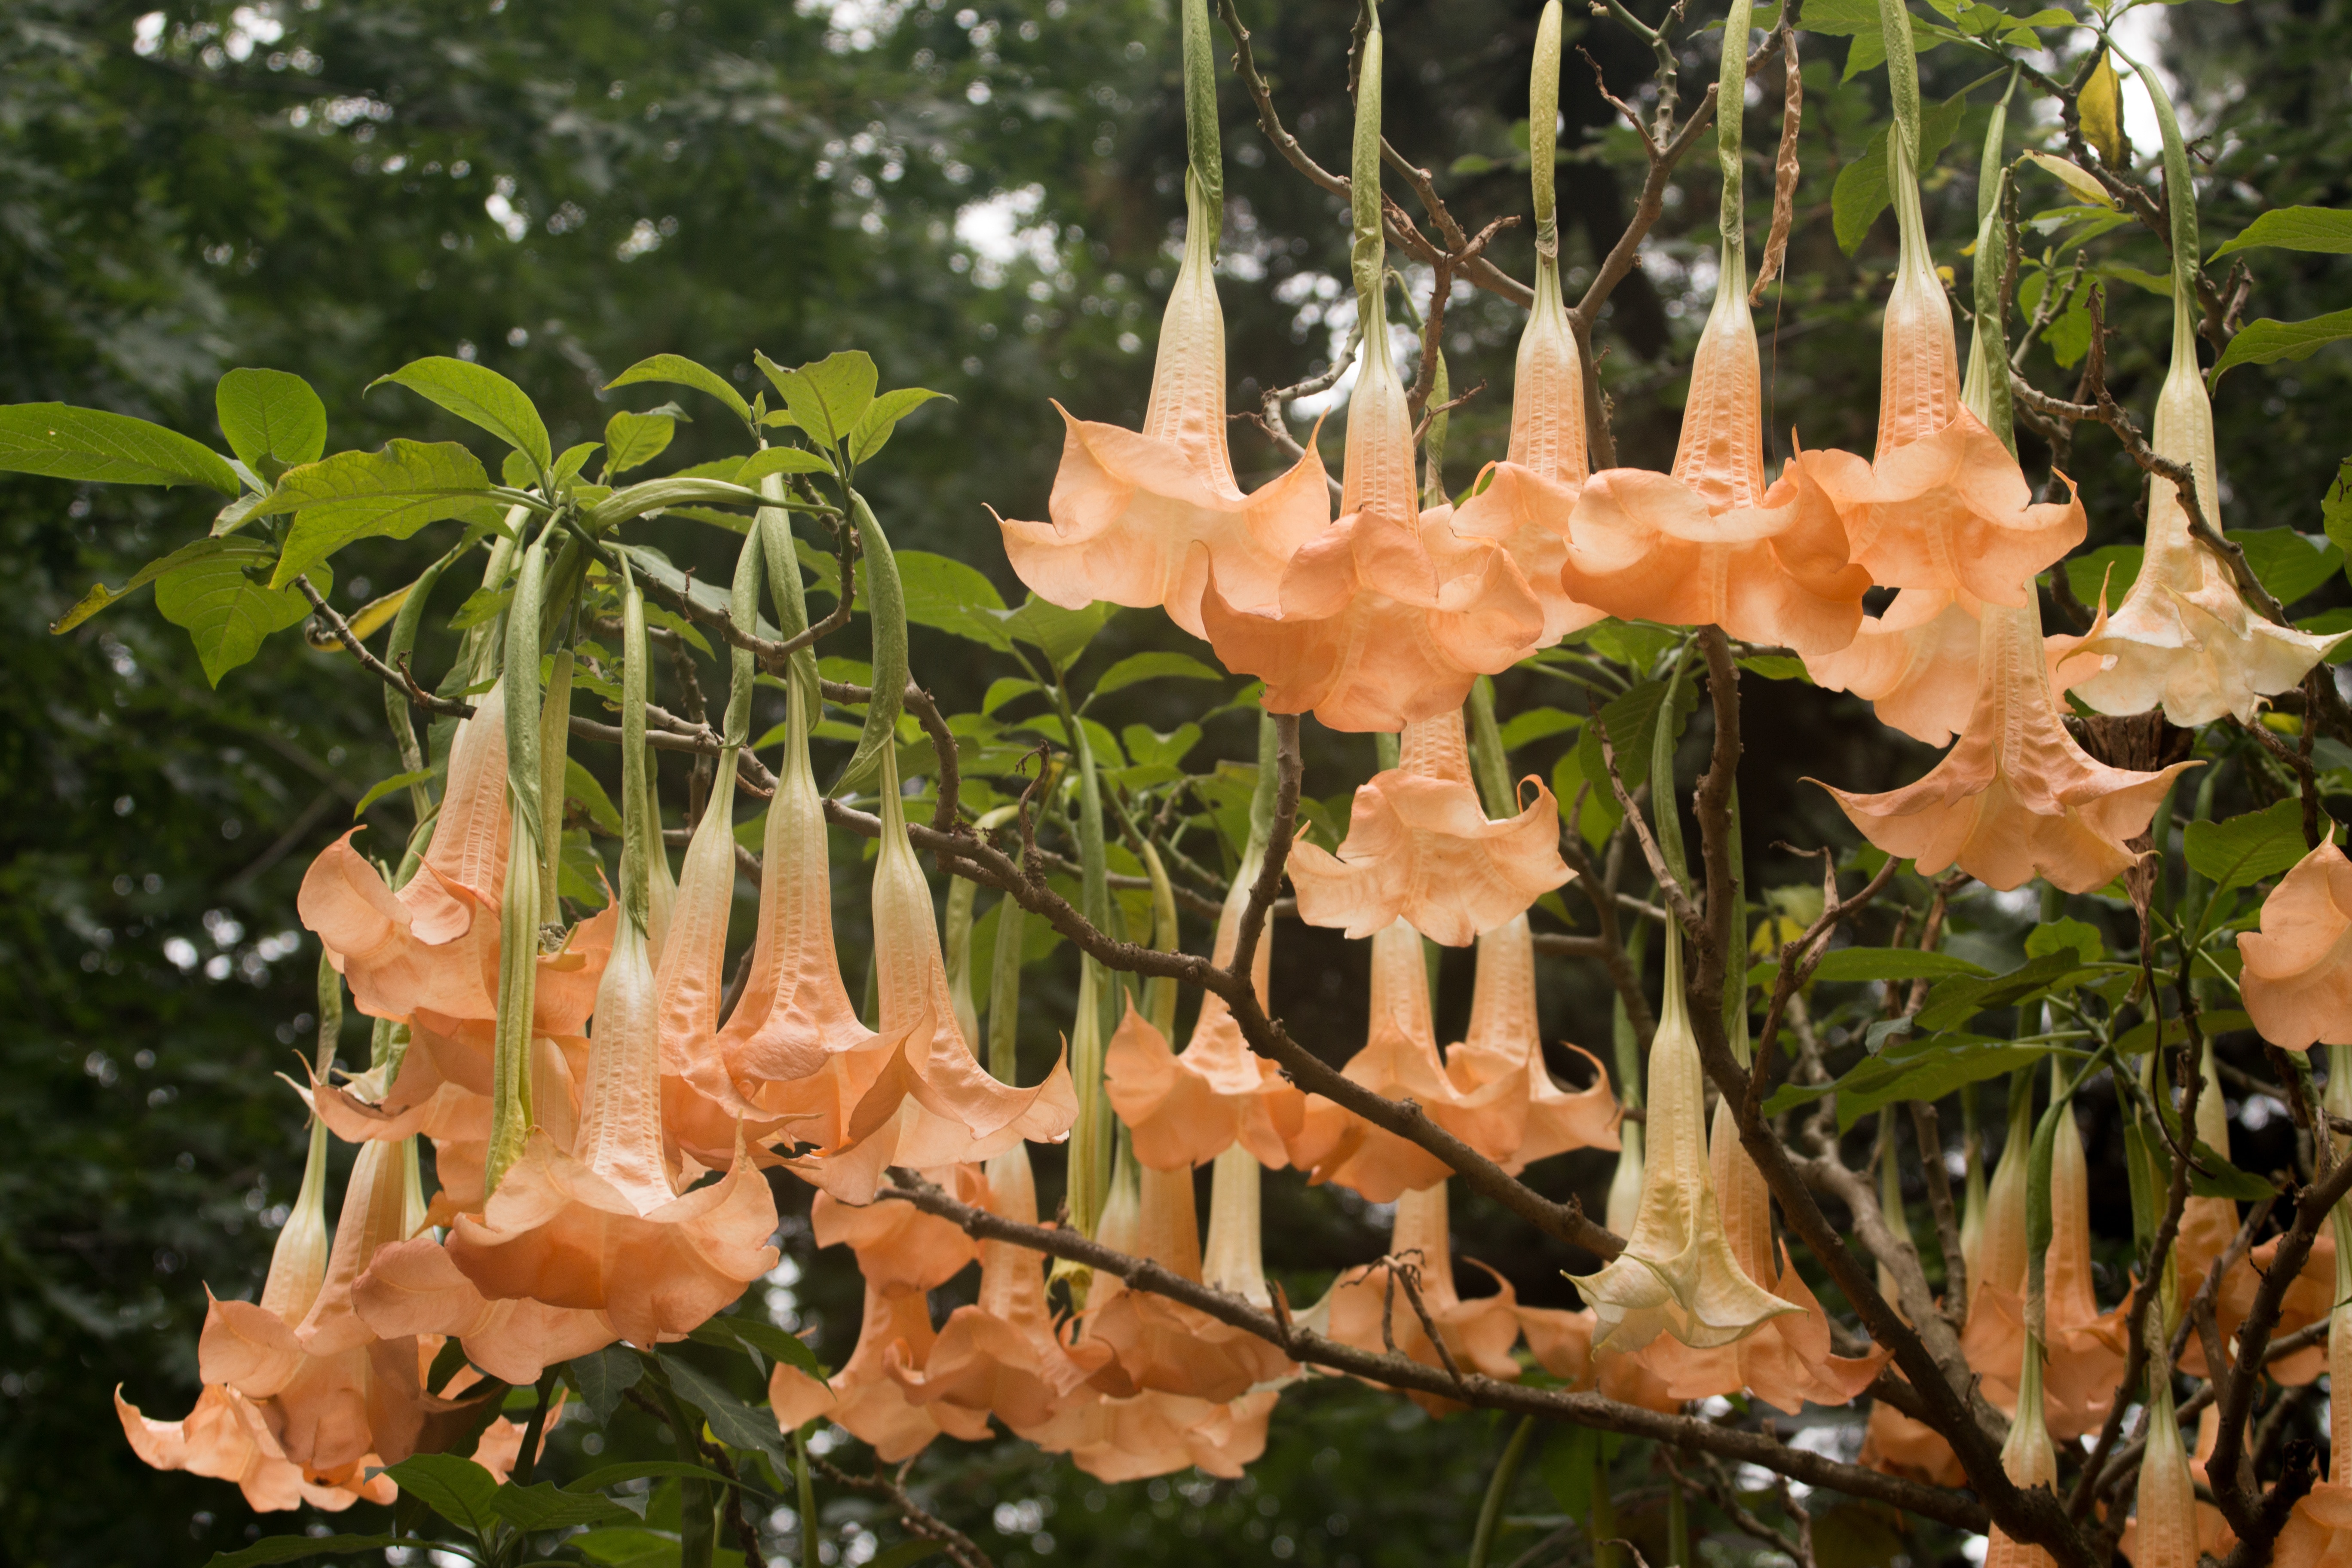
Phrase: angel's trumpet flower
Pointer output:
(2312, 1294)
(1420, 849)
(1786, 1362)
(1505, 1046)
(2318, 1534)
(2016, 798)
(933, 1104)
(2298, 967)
(2208, 1225)
(1678, 1274)
(2029, 1459)
(2184, 637)
(902, 1252)
(1708, 543)
(2085, 1346)
(1390, 613)
(1002, 1357)
(2207, 1531)
(1479, 1333)
(604, 1226)
(1523, 502)
(1183, 1109)
(1399, 1061)
(1163, 1346)
(2163, 1531)
(1137, 518)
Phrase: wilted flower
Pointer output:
(1420, 849)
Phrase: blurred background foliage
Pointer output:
(987, 198)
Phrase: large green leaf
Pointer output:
(100, 597)
(62, 442)
(295, 1548)
(2111, 570)
(630, 1546)
(1861, 193)
(226, 608)
(2245, 849)
(677, 370)
(1956, 1001)
(543, 1507)
(631, 440)
(732, 1422)
(2290, 564)
(459, 1490)
(733, 1331)
(779, 460)
(828, 398)
(1138, 667)
(1892, 964)
(478, 394)
(273, 420)
(874, 428)
(1928, 1070)
(2265, 342)
(1062, 633)
(390, 494)
(947, 595)
(2324, 230)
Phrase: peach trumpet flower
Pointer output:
(2313, 1293)
(1399, 1061)
(1160, 1346)
(1185, 1108)
(2166, 1526)
(1503, 1045)
(2086, 1345)
(1523, 502)
(2029, 1459)
(1786, 1362)
(2184, 637)
(1139, 518)
(2016, 797)
(1477, 1333)
(1679, 1274)
(932, 1103)
(226, 1437)
(2297, 980)
(1709, 544)
(1562, 1340)
(2208, 1225)
(1002, 1355)
(1419, 848)
(2318, 1534)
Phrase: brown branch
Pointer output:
(959, 1548)
(399, 679)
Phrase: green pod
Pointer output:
(885, 603)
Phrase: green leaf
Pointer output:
(1929, 1069)
(542, 1507)
(569, 462)
(628, 1547)
(2245, 849)
(1851, 963)
(1138, 666)
(1956, 1000)
(829, 397)
(273, 420)
(2324, 230)
(603, 1377)
(2264, 341)
(779, 460)
(481, 605)
(459, 1490)
(657, 1469)
(651, 563)
(2078, 937)
(730, 1333)
(1776, 667)
(2141, 1038)
(881, 418)
(632, 440)
(1003, 689)
(2336, 508)
(948, 595)
(1062, 633)
(1631, 722)
(731, 1421)
(1536, 724)
(2210, 1175)
(2290, 564)
(677, 370)
(389, 494)
(1861, 193)
(396, 781)
(481, 396)
(100, 597)
(2112, 569)
(62, 442)
(227, 613)
(2330, 624)
(580, 784)
(295, 1548)
(1147, 747)
(1599, 816)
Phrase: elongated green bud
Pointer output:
(1730, 107)
(2179, 188)
(886, 608)
(1203, 148)
(1368, 253)
(554, 751)
(640, 829)
(1543, 129)
(518, 912)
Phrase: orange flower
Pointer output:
(2016, 798)
(1896, 1444)
(1184, 1109)
(1678, 1274)
(1399, 1061)
(1419, 848)
(1002, 1357)
(1786, 1362)
(2184, 637)
(2208, 1225)
(1159, 1434)
(2028, 1460)
(2168, 1530)
(415, 1287)
(2298, 968)
(226, 1437)
(1140, 518)
(1479, 1333)
(1159, 1345)
(2085, 1346)
(1562, 1343)
(2307, 1299)
(1709, 545)
(1523, 502)
(1505, 1046)
(2318, 1534)
(933, 1104)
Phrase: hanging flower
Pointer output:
(1139, 519)
(1161, 1345)
(2318, 1534)
(1419, 848)
(1505, 1046)
(2307, 1299)
(1479, 1333)
(2298, 967)
(2208, 1225)
(2028, 1460)
(1158, 1434)
(1678, 1274)
(933, 1104)
(2016, 798)
(1523, 502)
(1786, 1362)
(2166, 1531)
(226, 1437)
(1399, 1061)
(415, 1287)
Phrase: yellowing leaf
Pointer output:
(2101, 106)
(2076, 178)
